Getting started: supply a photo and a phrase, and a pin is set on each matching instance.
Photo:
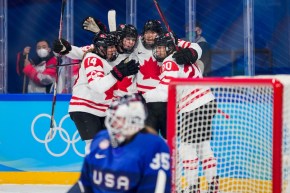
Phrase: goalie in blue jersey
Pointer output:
(126, 158)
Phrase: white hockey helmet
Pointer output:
(125, 117)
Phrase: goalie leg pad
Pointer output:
(209, 163)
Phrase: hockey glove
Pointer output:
(124, 69)
(61, 46)
(185, 56)
(93, 25)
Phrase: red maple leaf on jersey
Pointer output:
(150, 69)
(124, 84)
(187, 68)
(109, 93)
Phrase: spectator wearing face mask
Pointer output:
(39, 72)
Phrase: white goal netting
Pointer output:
(237, 143)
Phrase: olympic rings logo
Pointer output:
(64, 135)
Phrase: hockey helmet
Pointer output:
(102, 41)
(167, 40)
(126, 31)
(125, 117)
(151, 25)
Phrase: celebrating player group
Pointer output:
(119, 104)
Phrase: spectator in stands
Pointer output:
(39, 72)
(205, 61)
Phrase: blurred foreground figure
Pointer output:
(119, 161)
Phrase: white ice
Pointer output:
(33, 188)
(37, 188)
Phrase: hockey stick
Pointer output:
(162, 16)
(165, 22)
(52, 125)
(62, 65)
(112, 20)
(24, 78)
(68, 64)
(63, 4)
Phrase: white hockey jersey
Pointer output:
(149, 75)
(190, 97)
(126, 86)
(77, 53)
(93, 89)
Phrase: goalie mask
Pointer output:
(152, 26)
(105, 45)
(164, 46)
(125, 117)
(126, 37)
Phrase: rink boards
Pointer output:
(28, 155)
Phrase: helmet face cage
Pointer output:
(152, 25)
(124, 31)
(125, 117)
(102, 41)
(166, 40)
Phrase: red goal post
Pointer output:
(250, 132)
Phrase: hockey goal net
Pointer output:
(249, 137)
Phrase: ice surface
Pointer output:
(33, 188)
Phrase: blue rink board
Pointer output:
(25, 122)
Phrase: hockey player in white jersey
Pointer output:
(126, 41)
(118, 161)
(126, 35)
(197, 103)
(93, 89)
(149, 75)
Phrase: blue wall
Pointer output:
(30, 20)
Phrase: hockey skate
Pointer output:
(192, 188)
(213, 187)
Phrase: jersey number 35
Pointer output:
(161, 160)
